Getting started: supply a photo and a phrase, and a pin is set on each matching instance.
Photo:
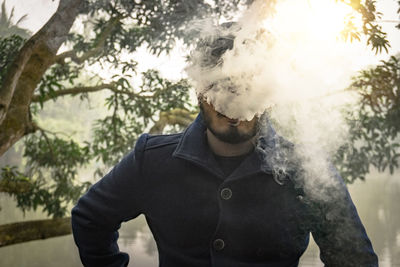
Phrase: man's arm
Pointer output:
(117, 197)
(338, 230)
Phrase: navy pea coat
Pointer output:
(200, 218)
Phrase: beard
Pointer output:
(233, 135)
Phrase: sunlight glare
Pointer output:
(308, 44)
(310, 20)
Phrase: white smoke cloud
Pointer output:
(293, 70)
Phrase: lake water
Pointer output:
(377, 201)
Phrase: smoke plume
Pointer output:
(260, 65)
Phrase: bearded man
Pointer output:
(210, 199)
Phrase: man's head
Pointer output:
(212, 85)
(208, 55)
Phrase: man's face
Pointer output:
(225, 129)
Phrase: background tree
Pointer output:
(35, 72)
(375, 122)
(56, 61)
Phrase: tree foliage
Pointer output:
(7, 25)
(375, 123)
(9, 47)
(376, 38)
(104, 33)
(135, 101)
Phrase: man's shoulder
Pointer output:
(151, 142)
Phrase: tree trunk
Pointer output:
(20, 232)
(23, 76)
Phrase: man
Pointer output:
(210, 200)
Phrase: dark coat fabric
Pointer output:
(201, 218)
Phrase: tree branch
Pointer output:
(37, 51)
(84, 89)
(97, 48)
(43, 132)
(25, 72)
(36, 127)
(20, 232)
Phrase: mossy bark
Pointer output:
(24, 74)
(20, 232)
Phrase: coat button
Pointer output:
(226, 193)
(219, 244)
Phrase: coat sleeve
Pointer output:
(116, 198)
(338, 230)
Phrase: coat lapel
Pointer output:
(193, 147)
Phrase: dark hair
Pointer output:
(210, 49)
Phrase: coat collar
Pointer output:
(193, 147)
